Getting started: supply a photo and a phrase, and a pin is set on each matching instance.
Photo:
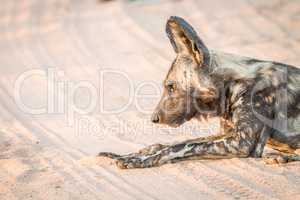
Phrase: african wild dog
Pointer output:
(257, 101)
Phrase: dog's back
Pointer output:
(279, 83)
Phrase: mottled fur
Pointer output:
(258, 103)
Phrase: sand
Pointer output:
(48, 146)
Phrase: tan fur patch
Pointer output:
(280, 146)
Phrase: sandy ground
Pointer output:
(47, 149)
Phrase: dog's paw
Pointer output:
(273, 160)
(147, 157)
(125, 161)
(129, 163)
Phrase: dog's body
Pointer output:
(278, 88)
(258, 103)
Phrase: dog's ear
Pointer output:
(184, 39)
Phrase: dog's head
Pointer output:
(188, 88)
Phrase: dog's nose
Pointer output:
(155, 118)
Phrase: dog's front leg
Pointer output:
(187, 150)
(158, 154)
(238, 144)
(201, 148)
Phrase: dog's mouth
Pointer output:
(174, 125)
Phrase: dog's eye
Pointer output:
(171, 87)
